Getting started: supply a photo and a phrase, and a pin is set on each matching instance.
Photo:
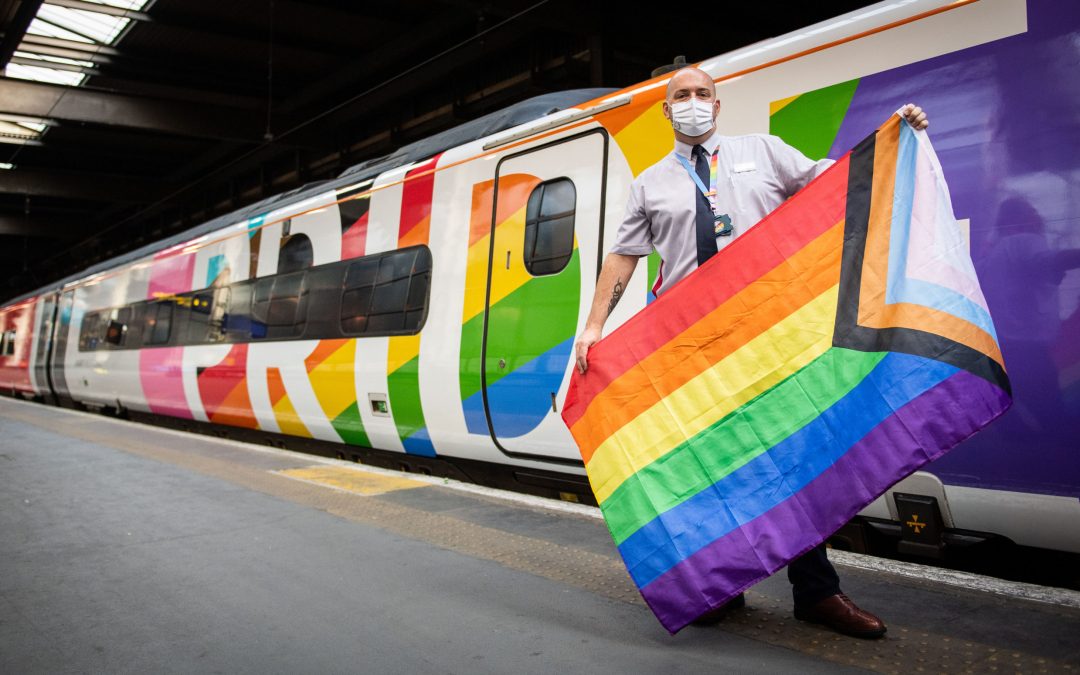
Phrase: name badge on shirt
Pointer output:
(744, 167)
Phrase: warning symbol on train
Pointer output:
(915, 524)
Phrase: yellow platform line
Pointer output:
(351, 480)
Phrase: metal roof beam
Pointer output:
(16, 30)
(170, 17)
(40, 226)
(102, 9)
(52, 65)
(69, 46)
(125, 64)
(85, 105)
(74, 185)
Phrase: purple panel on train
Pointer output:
(1005, 118)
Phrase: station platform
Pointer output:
(129, 548)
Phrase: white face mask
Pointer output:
(693, 117)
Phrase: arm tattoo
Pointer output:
(615, 295)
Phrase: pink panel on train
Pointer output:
(15, 367)
(160, 368)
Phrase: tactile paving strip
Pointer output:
(351, 480)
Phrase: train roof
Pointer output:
(519, 113)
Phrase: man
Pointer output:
(687, 206)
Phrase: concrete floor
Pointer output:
(131, 549)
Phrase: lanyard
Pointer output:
(709, 194)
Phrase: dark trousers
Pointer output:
(812, 577)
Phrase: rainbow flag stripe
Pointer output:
(754, 408)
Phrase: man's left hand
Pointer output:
(915, 116)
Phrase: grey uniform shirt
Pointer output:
(755, 174)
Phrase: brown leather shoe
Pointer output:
(842, 615)
(717, 615)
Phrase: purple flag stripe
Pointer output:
(937, 420)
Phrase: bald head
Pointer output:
(690, 80)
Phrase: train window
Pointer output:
(281, 305)
(285, 300)
(419, 287)
(84, 331)
(391, 288)
(356, 297)
(237, 322)
(116, 322)
(386, 294)
(114, 333)
(197, 326)
(92, 331)
(159, 322)
(382, 294)
(133, 337)
(123, 314)
(9, 343)
(549, 226)
(218, 308)
(260, 297)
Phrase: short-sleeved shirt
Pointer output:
(756, 173)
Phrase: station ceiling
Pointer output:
(198, 107)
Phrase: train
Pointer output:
(419, 311)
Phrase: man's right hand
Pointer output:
(587, 339)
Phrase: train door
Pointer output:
(43, 349)
(61, 328)
(545, 236)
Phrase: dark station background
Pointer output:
(205, 106)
